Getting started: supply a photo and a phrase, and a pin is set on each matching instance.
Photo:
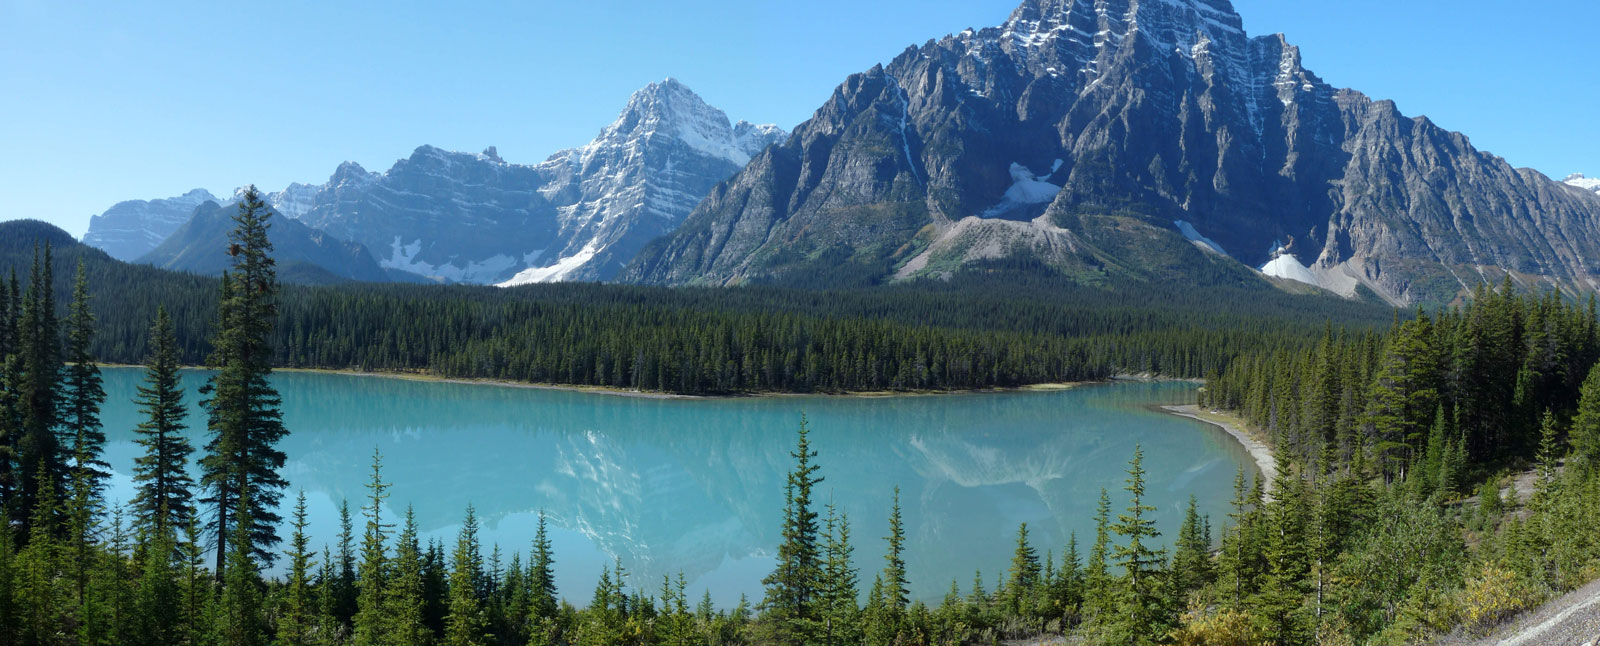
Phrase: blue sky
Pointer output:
(103, 101)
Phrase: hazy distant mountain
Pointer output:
(1148, 139)
(303, 254)
(580, 215)
(1585, 183)
(131, 229)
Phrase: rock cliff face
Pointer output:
(580, 215)
(1142, 138)
(131, 229)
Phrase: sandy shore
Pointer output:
(650, 394)
(1260, 452)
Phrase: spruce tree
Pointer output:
(839, 592)
(372, 577)
(1098, 593)
(40, 459)
(1141, 616)
(1585, 434)
(83, 394)
(297, 617)
(792, 601)
(541, 579)
(1024, 574)
(1191, 558)
(404, 617)
(237, 619)
(466, 624)
(162, 502)
(246, 425)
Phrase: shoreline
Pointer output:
(1266, 461)
(651, 394)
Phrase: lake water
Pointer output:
(697, 485)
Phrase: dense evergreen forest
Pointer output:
(1381, 435)
(1014, 326)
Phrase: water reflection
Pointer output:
(696, 485)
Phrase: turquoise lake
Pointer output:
(697, 484)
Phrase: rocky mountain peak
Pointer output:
(1583, 182)
(670, 109)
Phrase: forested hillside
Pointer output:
(1011, 326)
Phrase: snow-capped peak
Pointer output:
(1585, 183)
(670, 108)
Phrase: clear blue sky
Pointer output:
(102, 101)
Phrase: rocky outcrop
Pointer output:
(1082, 132)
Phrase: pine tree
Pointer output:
(162, 501)
(1191, 558)
(404, 604)
(1024, 574)
(541, 576)
(40, 459)
(246, 425)
(339, 591)
(83, 394)
(1141, 617)
(158, 607)
(1585, 434)
(237, 620)
(297, 620)
(42, 593)
(792, 601)
(372, 577)
(1098, 595)
(896, 587)
(839, 593)
(466, 624)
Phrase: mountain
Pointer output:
(131, 229)
(1585, 183)
(580, 215)
(304, 255)
(1127, 139)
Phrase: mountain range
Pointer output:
(1106, 140)
(476, 218)
(1140, 139)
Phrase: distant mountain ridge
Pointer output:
(1081, 133)
(582, 214)
(303, 254)
(131, 229)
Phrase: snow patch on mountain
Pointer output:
(1285, 265)
(1026, 190)
(1585, 183)
(553, 273)
(404, 257)
(1200, 241)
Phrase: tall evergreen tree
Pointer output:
(83, 394)
(162, 502)
(466, 624)
(40, 459)
(242, 458)
(1142, 614)
(372, 577)
(297, 618)
(1024, 573)
(404, 604)
(839, 591)
(1585, 434)
(237, 620)
(792, 601)
(541, 577)
(1191, 558)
